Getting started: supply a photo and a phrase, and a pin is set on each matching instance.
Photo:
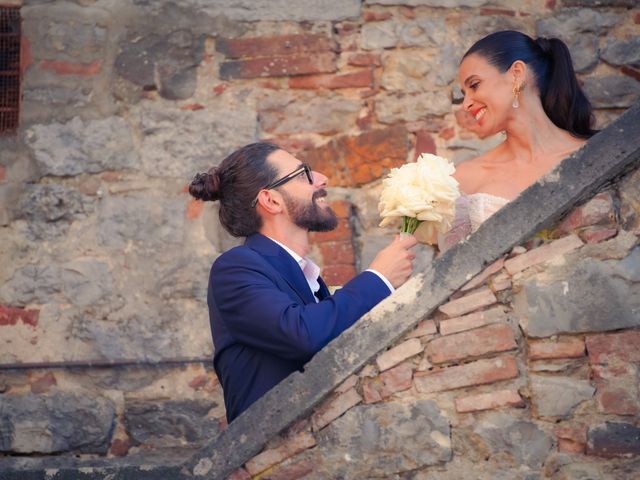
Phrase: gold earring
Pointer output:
(516, 94)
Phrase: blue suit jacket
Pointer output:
(265, 321)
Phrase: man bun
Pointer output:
(205, 186)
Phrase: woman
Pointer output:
(527, 89)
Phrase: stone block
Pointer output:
(592, 235)
(281, 10)
(489, 401)
(558, 396)
(629, 190)
(399, 353)
(622, 52)
(567, 347)
(422, 32)
(308, 43)
(609, 91)
(86, 281)
(271, 457)
(478, 280)
(383, 440)
(359, 79)
(542, 254)
(612, 348)
(572, 439)
(335, 407)
(617, 389)
(470, 302)
(278, 66)
(475, 343)
(480, 372)
(593, 296)
(357, 160)
(400, 107)
(523, 440)
(60, 422)
(33, 283)
(472, 320)
(284, 114)
(613, 439)
(79, 146)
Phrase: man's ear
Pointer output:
(270, 201)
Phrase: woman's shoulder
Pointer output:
(471, 174)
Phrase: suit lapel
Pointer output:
(324, 291)
(284, 264)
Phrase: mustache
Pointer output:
(319, 194)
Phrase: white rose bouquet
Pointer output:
(423, 194)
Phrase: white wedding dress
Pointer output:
(471, 211)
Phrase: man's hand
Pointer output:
(395, 261)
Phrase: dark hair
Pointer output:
(235, 183)
(549, 59)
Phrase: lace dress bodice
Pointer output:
(471, 211)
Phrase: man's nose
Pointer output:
(319, 180)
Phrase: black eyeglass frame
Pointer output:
(277, 183)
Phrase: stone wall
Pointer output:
(105, 347)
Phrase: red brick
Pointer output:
(399, 353)
(194, 208)
(542, 254)
(568, 347)
(375, 16)
(11, 315)
(497, 11)
(426, 327)
(335, 407)
(337, 253)
(43, 384)
(239, 474)
(26, 57)
(489, 401)
(631, 72)
(273, 456)
(473, 343)
(274, 46)
(424, 143)
(342, 208)
(351, 161)
(614, 347)
(636, 18)
(364, 60)
(335, 275)
(394, 380)
(3, 171)
(220, 88)
(550, 4)
(469, 303)
(198, 382)
(360, 79)
(482, 276)
(341, 233)
(569, 446)
(572, 439)
(472, 320)
(480, 372)
(348, 384)
(617, 389)
(192, 107)
(119, 447)
(282, 66)
(597, 211)
(60, 67)
(293, 471)
(597, 234)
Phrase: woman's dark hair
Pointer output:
(235, 183)
(549, 59)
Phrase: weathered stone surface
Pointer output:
(629, 198)
(612, 91)
(161, 423)
(394, 108)
(34, 283)
(614, 348)
(524, 441)
(558, 396)
(165, 62)
(148, 221)
(179, 143)
(617, 388)
(335, 407)
(432, 3)
(86, 281)
(82, 146)
(542, 254)
(597, 211)
(55, 423)
(613, 439)
(287, 449)
(424, 32)
(256, 10)
(593, 296)
(383, 440)
(50, 210)
(286, 114)
(622, 52)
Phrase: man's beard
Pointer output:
(310, 216)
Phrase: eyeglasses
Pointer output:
(302, 168)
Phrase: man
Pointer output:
(270, 311)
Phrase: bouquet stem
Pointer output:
(409, 224)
